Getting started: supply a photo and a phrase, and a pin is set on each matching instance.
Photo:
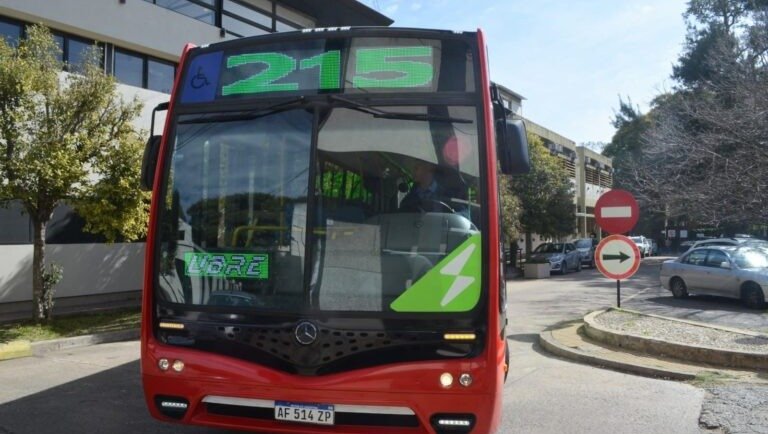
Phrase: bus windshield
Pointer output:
(372, 216)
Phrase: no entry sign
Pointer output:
(616, 211)
(617, 257)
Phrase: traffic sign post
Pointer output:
(616, 211)
(617, 257)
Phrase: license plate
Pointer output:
(320, 414)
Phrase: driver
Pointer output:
(426, 194)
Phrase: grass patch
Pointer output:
(71, 325)
(708, 378)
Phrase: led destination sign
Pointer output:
(227, 265)
(319, 66)
(391, 67)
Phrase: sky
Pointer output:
(570, 59)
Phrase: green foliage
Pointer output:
(545, 194)
(67, 138)
(510, 209)
(627, 143)
(51, 277)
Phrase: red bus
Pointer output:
(324, 249)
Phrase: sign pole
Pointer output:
(618, 293)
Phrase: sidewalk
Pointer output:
(656, 346)
(21, 348)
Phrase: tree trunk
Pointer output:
(528, 243)
(38, 262)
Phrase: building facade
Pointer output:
(590, 172)
(139, 42)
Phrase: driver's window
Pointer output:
(697, 257)
(716, 258)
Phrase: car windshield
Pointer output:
(636, 239)
(239, 228)
(751, 258)
(549, 248)
(581, 244)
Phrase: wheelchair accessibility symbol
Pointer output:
(199, 80)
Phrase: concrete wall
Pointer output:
(88, 269)
(135, 24)
(106, 273)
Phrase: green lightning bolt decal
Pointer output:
(453, 285)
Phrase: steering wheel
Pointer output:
(434, 206)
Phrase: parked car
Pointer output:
(728, 242)
(586, 248)
(686, 245)
(642, 245)
(561, 256)
(726, 271)
(654, 248)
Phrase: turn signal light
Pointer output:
(459, 336)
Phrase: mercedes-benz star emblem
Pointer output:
(305, 333)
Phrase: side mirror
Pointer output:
(512, 147)
(726, 265)
(149, 162)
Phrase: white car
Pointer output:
(729, 242)
(643, 245)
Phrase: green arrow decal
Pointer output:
(621, 257)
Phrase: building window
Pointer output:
(240, 28)
(16, 227)
(285, 27)
(76, 52)
(139, 70)
(201, 10)
(241, 19)
(160, 75)
(293, 19)
(129, 68)
(11, 31)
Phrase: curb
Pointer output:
(660, 347)
(549, 343)
(17, 349)
(696, 323)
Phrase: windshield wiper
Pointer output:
(383, 114)
(248, 115)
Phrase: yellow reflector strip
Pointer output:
(171, 325)
(459, 336)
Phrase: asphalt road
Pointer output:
(97, 389)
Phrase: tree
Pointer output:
(545, 195)
(704, 154)
(510, 212)
(626, 145)
(66, 138)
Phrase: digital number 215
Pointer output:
(370, 61)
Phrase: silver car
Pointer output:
(642, 245)
(586, 247)
(561, 256)
(726, 271)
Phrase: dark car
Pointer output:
(586, 248)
